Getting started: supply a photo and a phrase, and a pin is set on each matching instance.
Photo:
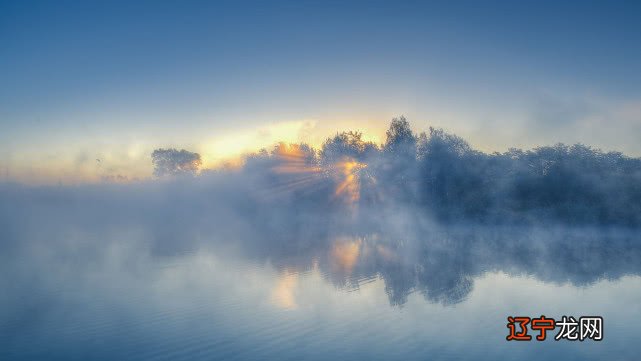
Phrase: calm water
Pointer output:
(75, 293)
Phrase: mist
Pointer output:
(425, 213)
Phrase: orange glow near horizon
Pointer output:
(293, 159)
(74, 161)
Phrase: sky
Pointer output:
(88, 80)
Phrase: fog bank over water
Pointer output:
(424, 213)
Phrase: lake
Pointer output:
(78, 285)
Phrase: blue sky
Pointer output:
(114, 80)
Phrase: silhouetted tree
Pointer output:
(346, 145)
(401, 141)
(172, 162)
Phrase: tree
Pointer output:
(401, 141)
(346, 145)
(173, 162)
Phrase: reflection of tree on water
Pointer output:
(441, 264)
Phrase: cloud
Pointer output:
(604, 123)
(551, 113)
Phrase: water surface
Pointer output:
(74, 291)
